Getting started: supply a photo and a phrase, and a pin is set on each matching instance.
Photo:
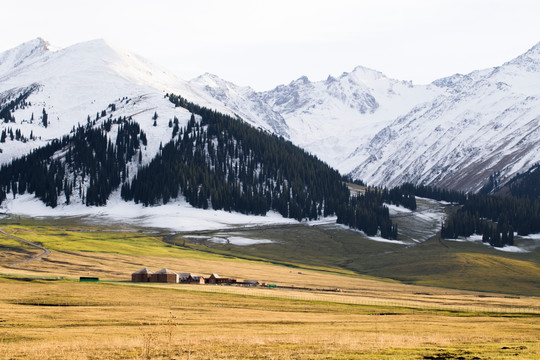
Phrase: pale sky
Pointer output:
(266, 43)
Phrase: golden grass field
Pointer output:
(44, 317)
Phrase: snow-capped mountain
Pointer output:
(244, 102)
(328, 118)
(484, 122)
(78, 82)
(452, 133)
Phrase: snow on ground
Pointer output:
(178, 216)
(532, 237)
(380, 239)
(374, 238)
(419, 225)
(395, 209)
(323, 221)
(239, 240)
(507, 248)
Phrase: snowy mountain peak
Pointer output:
(212, 81)
(243, 101)
(449, 81)
(533, 52)
(302, 80)
(529, 61)
(23, 54)
(79, 81)
(209, 79)
(365, 73)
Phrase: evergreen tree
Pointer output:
(44, 118)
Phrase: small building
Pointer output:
(188, 278)
(196, 279)
(218, 280)
(213, 279)
(165, 276)
(142, 275)
(183, 277)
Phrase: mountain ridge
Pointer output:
(405, 131)
(381, 130)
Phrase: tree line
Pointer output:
(366, 212)
(494, 217)
(86, 161)
(215, 161)
(223, 163)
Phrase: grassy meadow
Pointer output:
(341, 297)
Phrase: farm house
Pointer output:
(217, 280)
(195, 279)
(188, 278)
(165, 276)
(142, 275)
(183, 277)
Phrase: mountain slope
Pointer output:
(484, 122)
(453, 133)
(79, 81)
(327, 118)
(245, 102)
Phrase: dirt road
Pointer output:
(33, 258)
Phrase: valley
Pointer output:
(339, 295)
(110, 164)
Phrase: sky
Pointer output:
(267, 43)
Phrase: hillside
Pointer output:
(453, 133)
(78, 82)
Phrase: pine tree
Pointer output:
(44, 118)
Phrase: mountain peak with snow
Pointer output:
(22, 55)
(365, 73)
(212, 81)
(76, 82)
(454, 132)
(529, 61)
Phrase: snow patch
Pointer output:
(532, 237)
(380, 239)
(396, 209)
(507, 248)
(239, 241)
(374, 238)
(178, 216)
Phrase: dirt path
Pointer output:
(33, 258)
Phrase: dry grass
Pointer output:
(58, 320)
(366, 319)
(352, 290)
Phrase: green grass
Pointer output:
(322, 247)
(459, 265)
(436, 262)
(92, 239)
(327, 248)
